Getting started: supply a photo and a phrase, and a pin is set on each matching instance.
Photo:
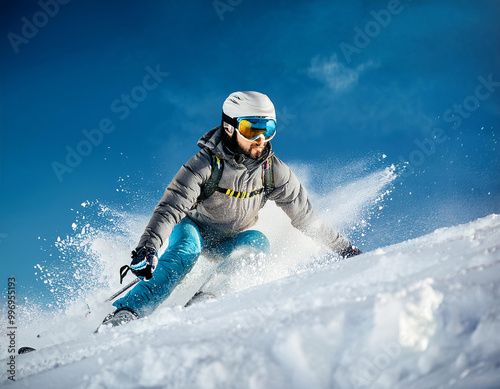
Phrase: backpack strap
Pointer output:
(213, 181)
(268, 176)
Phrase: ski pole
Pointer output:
(24, 350)
(123, 289)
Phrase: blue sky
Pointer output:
(412, 66)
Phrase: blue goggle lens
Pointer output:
(253, 127)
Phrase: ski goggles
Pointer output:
(251, 127)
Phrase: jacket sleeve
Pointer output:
(179, 197)
(291, 196)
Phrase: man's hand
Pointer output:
(351, 251)
(144, 262)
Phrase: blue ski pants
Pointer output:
(186, 242)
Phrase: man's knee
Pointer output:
(185, 239)
(255, 239)
(178, 261)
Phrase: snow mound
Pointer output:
(420, 314)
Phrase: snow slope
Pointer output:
(420, 314)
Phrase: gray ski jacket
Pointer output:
(228, 214)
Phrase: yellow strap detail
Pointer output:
(243, 195)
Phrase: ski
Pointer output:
(199, 296)
(25, 350)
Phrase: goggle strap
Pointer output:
(229, 120)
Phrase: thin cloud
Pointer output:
(335, 74)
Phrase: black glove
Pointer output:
(351, 251)
(143, 264)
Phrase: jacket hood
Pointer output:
(214, 140)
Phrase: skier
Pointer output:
(214, 200)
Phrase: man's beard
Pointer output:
(233, 144)
(258, 152)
